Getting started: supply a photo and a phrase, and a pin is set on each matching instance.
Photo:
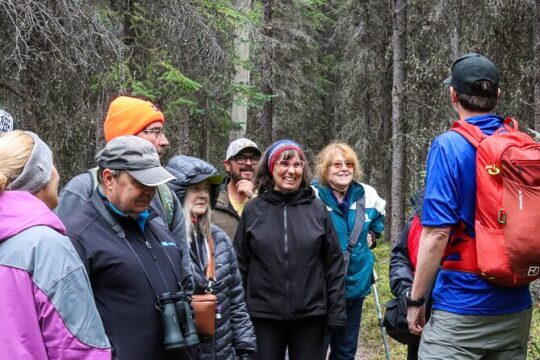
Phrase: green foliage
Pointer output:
(225, 15)
(371, 343)
(316, 12)
(249, 96)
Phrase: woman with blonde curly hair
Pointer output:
(47, 310)
(357, 213)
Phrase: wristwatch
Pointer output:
(414, 303)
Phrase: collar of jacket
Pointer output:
(142, 218)
(223, 202)
(289, 198)
(356, 191)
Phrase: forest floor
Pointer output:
(371, 344)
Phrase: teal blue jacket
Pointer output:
(360, 272)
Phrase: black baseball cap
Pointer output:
(470, 68)
(137, 156)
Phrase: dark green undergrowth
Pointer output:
(371, 341)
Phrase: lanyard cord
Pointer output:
(143, 267)
(170, 261)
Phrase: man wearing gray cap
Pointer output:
(128, 251)
(242, 157)
(472, 318)
(131, 116)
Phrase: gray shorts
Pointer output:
(452, 336)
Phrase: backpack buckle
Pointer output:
(493, 169)
(501, 217)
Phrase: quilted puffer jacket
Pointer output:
(234, 334)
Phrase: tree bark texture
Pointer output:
(268, 108)
(242, 74)
(398, 92)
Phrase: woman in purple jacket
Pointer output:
(47, 309)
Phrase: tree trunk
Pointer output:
(455, 33)
(536, 50)
(398, 91)
(268, 108)
(242, 74)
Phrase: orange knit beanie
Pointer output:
(128, 116)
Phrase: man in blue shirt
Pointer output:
(472, 318)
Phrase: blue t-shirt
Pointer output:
(451, 198)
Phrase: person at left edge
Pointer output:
(129, 253)
(7, 123)
(47, 311)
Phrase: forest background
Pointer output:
(367, 72)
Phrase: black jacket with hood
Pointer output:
(290, 259)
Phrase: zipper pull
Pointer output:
(218, 312)
(149, 247)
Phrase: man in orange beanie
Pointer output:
(132, 116)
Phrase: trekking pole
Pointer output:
(379, 315)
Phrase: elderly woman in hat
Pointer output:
(48, 311)
(215, 269)
(290, 259)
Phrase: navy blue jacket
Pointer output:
(125, 294)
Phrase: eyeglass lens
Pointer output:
(339, 164)
(242, 159)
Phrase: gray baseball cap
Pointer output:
(138, 157)
(240, 144)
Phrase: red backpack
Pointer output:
(507, 220)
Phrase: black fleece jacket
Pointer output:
(290, 259)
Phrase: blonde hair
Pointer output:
(15, 149)
(327, 155)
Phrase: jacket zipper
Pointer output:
(286, 244)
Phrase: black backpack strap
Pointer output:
(358, 223)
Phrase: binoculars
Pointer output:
(178, 327)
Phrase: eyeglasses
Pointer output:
(339, 164)
(285, 165)
(158, 132)
(242, 159)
